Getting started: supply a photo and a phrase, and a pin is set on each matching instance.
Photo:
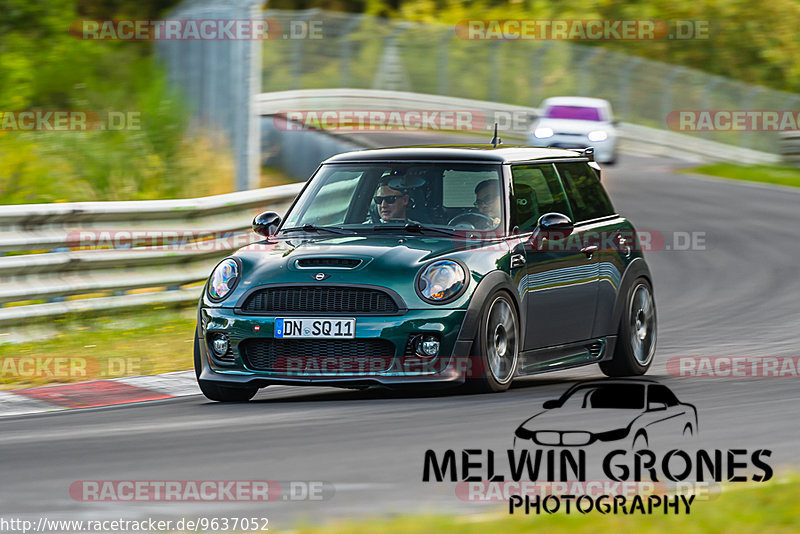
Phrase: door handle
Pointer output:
(591, 249)
(517, 260)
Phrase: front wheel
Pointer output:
(497, 346)
(636, 338)
(215, 392)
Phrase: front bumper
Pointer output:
(451, 364)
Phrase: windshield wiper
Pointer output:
(413, 228)
(314, 228)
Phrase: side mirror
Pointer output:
(554, 226)
(656, 406)
(552, 403)
(266, 224)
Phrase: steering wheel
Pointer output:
(472, 221)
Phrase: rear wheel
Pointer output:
(636, 338)
(496, 346)
(214, 391)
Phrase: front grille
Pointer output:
(319, 299)
(317, 356)
(347, 263)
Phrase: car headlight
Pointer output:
(441, 281)
(223, 279)
(543, 132)
(598, 135)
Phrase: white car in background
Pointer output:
(576, 122)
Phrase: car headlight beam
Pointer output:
(223, 279)
(543, 132)
(441, 281)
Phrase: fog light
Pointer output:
(427, 346)
(219, 344)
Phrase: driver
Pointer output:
(391, 203)
(487, 199)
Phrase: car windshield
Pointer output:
(433, 198)
(615, 396)
(581, 113)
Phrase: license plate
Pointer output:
(314, 328)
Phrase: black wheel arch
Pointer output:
(493, 281)
(636, 269)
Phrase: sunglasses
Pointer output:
(389, 200)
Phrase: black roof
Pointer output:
(471, 153)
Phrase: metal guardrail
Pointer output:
(790, 147)
(632, 136)
(120, 254)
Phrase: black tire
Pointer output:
(632, 357)
(493, 367)
(214, 391)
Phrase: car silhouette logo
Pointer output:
(640, 412)
(319, 277)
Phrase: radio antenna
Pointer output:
(496, 140)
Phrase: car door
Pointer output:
(601, 229)
(557, 282)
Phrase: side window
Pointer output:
(661, 394)
(536, 191)
(587, 197)
(458, 186)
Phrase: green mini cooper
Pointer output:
(462, 265)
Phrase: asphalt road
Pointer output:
(737, 296)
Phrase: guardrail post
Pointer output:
(345, 50)
(494, 70)
(537, 67)
(625, 87)
(443, 64)
(748, 104)
(583, 66)
(708, 97)
(666, 95)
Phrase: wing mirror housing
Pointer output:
(266, 223)
(552, 226)
(552, 403)
(656, 406)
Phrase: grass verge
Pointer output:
(136, 342)
(766, 174)
(774, 508)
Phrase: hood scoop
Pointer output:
(340, 263)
